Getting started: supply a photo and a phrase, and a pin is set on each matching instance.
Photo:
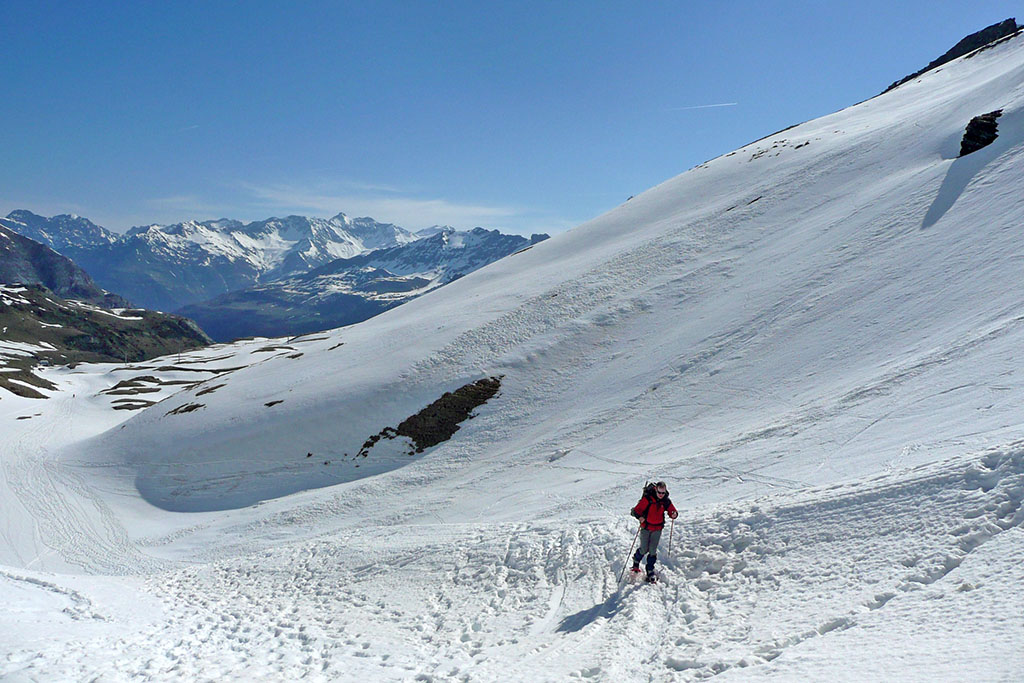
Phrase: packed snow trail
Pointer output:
(72, 521)
(768, 584)
(55, 516)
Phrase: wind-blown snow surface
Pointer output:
(812, 339)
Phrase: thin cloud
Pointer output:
(410, 212)
(190, 205)
(703, 106)
(373, 187)
(176, 201)
(246, 201)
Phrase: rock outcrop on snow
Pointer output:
(439, 421)
(981, 132)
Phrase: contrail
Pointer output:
(704, 106)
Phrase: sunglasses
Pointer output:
(661, 493)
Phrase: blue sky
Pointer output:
(525, 116)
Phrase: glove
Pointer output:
(673, 515)
(635, 514)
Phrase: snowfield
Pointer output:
(812, 339)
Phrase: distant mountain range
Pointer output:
(350, 290)
(279, 276)
(167, 267)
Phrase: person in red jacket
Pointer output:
(651, 512)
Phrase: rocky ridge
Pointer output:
(24, 261)
(967, 45)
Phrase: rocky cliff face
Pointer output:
(24, 261)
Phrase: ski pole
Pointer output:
(623, 572)
(671, 528)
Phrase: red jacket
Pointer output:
(651, 511)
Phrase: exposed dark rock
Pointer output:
(441, 419)
(138, 385)
(83, 333)
(967, 45)
(209, 390)
(15, 382)
(24, 261)
(187, 408)
(133, 404)
(981, 132)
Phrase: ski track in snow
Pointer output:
(72, 518)
(743, 585)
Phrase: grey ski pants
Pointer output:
(648, 546)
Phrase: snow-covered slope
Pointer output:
(812, 339)
(803, 276)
